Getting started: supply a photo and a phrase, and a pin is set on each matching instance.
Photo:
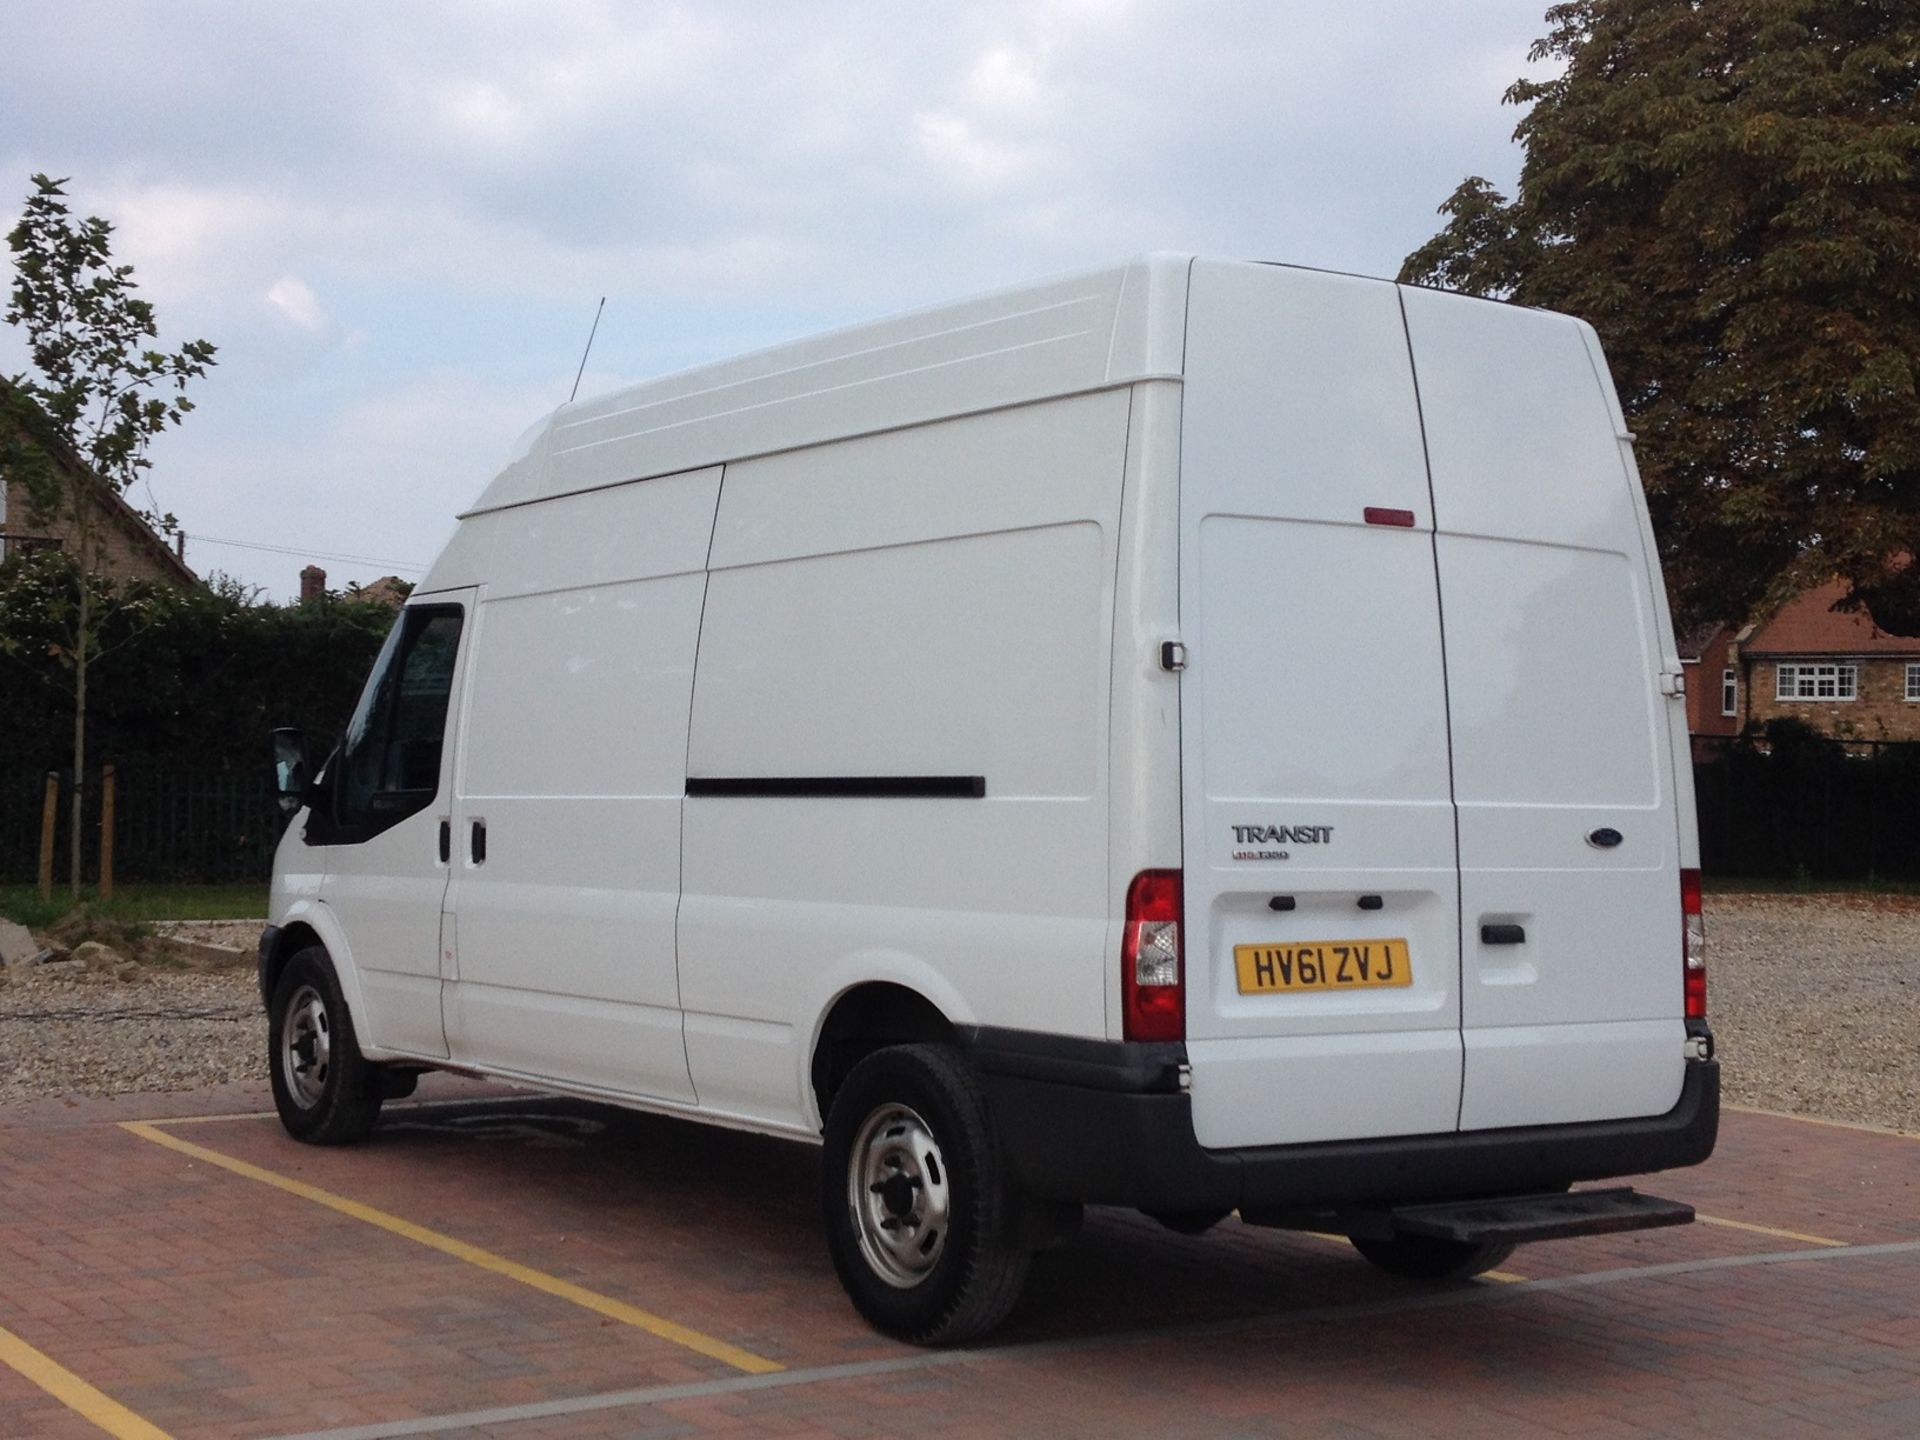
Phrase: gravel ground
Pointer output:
(73, 1033)
(1815, 1003)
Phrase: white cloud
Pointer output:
(461, 182)
(294, 299)
(1006, 79)
(980, 163)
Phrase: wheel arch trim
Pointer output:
(896, 971)
(316, 919)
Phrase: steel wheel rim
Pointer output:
(306, 1047)
(898, 1192)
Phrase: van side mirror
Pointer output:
(292, 769)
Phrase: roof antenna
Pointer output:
(589, 350)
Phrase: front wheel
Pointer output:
(327, 1093)
(920, 1220)
(1426, 1257)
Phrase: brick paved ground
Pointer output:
(212, 1304)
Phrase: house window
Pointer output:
(1730, 692)
(1913, 682)
(1818, 682)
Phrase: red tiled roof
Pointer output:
(1693, 643)
(1809, 625)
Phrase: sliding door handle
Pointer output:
(477, 843)
(1502, 935)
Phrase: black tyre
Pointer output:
(1422, 1257)
(327, 1093)
(920, 1219)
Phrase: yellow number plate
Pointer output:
(1322, 965)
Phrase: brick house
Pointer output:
(1834, 669)
(389, 590)
(1713, 681)
(128, 548)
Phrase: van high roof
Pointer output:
(1088, 331)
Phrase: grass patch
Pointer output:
(137, 904)
(1803, 885)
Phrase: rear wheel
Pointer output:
(1188, 1222)
(1424, 1257)
(327, 1093)
(920, 1220)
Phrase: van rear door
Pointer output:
(1563, 768)
(1318, 823)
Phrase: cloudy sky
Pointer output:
(395, 219)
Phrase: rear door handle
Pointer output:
(477, 843)
(1503, 935)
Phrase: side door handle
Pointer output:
(477, 843)
(446, 841)
(1503, 935)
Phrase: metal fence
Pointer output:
(170, 827)
(1809, 810)
(1812, 810)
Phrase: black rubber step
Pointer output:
(1541, 1217)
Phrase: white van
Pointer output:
(1193, 736)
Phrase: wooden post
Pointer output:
(106, 832)
(49, 812)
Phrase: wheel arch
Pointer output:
(290, 940)
(865, 1018)
(309, 923)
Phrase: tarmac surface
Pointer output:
(505, 1264)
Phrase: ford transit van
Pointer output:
(1195, 736)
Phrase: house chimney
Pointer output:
(313, 585)
(180, 546)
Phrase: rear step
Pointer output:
(1521, 1218)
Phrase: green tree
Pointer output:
(80, 420)
(1729, 190)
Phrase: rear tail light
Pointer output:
(1694, 944)
(1151, 960)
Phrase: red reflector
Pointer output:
(1378, 516)
(1693, 945)
(1153, 960)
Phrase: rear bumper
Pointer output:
(1106, 1123)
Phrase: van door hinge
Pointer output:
(1173, 656)
(1673, 683)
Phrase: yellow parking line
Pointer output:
(73, 1392)
(1767, 1230)
(171, 1120)
(167, 1122)
(460, 1250)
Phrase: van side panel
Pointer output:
(1313, 713)
(574, 760)
(1679, 740)
(930, 606)
(1145, 745)
(1559, 729)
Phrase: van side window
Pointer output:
(389, 763)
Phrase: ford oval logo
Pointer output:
(1603, 838)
